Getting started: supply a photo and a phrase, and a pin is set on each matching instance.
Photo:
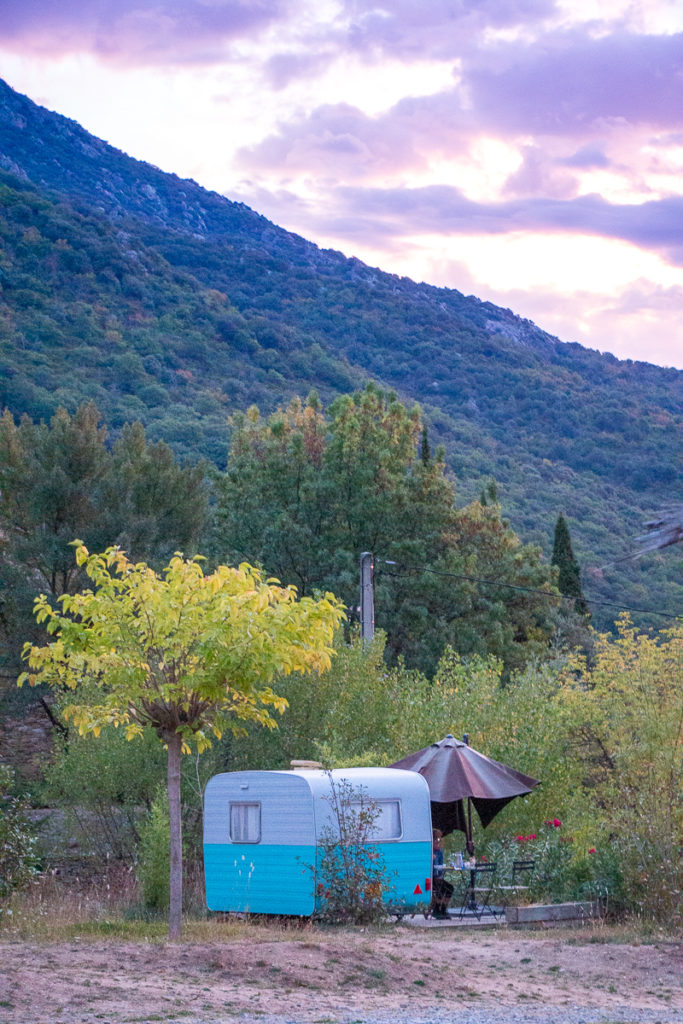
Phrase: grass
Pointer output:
(107, 905)
(631, 931)
(57, 908)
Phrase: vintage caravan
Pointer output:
(262, 832)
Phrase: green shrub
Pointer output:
(627, 715)
(153, 866)
(351, 876)
(17, 842)
(104, 784)
(564, 869)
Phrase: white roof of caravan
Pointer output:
(382, 782)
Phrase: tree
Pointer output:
(304, 494)
(486, 593)
(569, 574)
(183, 653)
(61, 481)
(626, 712)
(156, 504)
(425, 450)
(272, 503)
(50, 479)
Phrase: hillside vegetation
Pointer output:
(171, 305)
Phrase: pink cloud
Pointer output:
(577, 98)
(337, 141)
(540, 175)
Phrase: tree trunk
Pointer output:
(176, 837)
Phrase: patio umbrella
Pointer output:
(458, 777)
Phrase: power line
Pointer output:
(528, 590)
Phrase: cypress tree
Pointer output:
(569, 574)
(425, 451)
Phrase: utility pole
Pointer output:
(367, 599)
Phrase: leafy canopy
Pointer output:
(183, 652)
(304, 495)
(62, 480)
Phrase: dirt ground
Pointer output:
(331, 976)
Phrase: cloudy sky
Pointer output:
(529, 152)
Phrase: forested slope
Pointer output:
(172, 305)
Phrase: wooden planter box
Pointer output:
(556, 912)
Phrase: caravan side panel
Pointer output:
(259, 838)
(407, 855)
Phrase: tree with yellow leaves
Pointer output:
(183, 653)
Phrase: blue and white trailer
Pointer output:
(262, 831)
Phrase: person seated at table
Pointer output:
(441, 889)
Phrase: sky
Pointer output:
(528, 152)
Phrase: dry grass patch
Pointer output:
(73, 951)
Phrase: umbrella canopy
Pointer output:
(459, 776)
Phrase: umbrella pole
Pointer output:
(468, 835)
(469, 845)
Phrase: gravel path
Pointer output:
(504, 1015)
(268, 976)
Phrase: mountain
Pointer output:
(173, 305)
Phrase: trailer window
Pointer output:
(245, 823)
(387, 824)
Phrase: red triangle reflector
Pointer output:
(417, 891)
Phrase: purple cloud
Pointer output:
(588, 156)
(657, 224)
(570, 84)
(283, 68)
(149, 32)
(402, 30)
(136, 31)
(441, 28)
(362, 213)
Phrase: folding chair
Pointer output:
(476, 897)
(521, 870)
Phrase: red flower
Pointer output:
(548, 822)
(557, 823)
(533, 836)
(592, 849)
(520, 839)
